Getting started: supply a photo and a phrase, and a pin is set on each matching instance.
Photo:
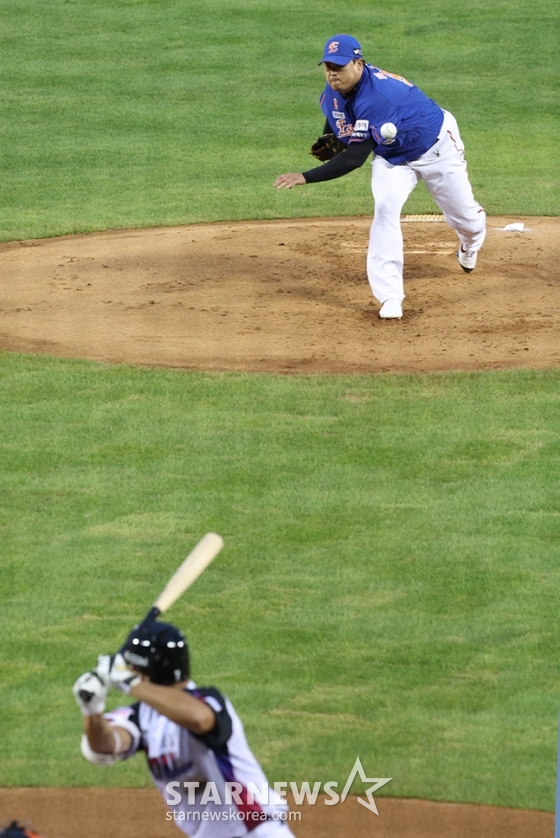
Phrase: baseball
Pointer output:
(388, 131)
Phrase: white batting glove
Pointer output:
(121, 676)
(103, 668)
(90, 692)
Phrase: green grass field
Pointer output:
(388, 587)
(142, 112)
(389, 583)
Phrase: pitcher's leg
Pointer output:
(391, 186)
(444, 171)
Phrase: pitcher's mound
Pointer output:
(289, 296)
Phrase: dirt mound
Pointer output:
(288, 296)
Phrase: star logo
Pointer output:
(358, 769)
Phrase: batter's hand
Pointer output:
(90, 691)
(289, 180)
(121, 676)
(103, 668)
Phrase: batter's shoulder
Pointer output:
(207, 692)
(216, 738)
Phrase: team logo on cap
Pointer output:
(333, 46)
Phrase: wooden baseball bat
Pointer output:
(188, 572)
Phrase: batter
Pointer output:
(370, 110)
(192, 738)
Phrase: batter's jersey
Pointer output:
(175, 755)
(383, 97)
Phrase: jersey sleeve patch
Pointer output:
(216, 738)
(361, 130)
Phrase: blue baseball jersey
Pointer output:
(383, 97)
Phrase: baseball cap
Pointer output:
(341, 49)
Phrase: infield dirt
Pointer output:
(284, 296)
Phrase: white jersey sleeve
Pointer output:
(127, 719)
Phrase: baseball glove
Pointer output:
(327, 147)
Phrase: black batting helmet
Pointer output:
(160, 651)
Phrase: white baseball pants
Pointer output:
(444, 171)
